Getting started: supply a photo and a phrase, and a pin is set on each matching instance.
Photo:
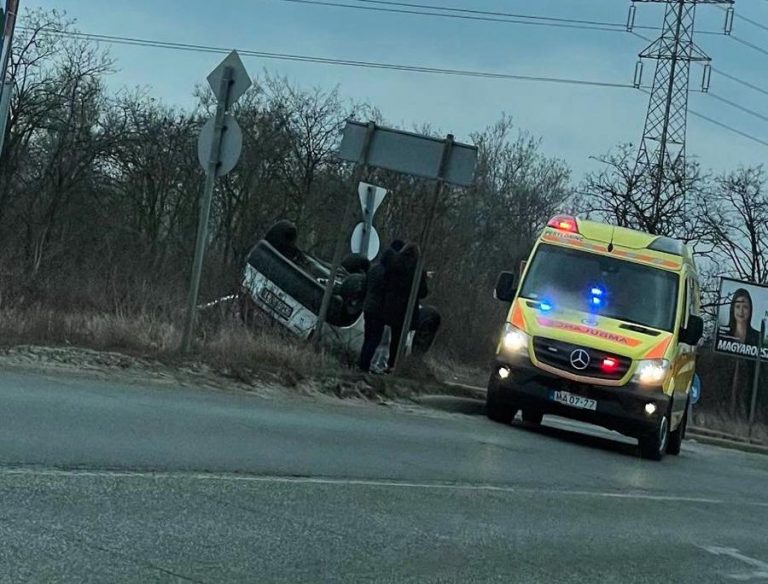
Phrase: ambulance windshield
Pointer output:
(602, 285)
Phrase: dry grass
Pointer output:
(38, 325)
(234, 347)
(720, 422)
(225, 345)
(450, 370)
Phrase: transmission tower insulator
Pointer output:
(638, 74)
(631, 18)
(729, 16)
(706, 78)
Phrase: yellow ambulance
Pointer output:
(603, 328)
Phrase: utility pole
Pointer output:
(6, 84)
(662, 149)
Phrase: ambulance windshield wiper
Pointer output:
(636, 326)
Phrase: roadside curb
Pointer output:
(460, 390)
(724, 443)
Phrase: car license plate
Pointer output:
(575, 401)
(276, 303)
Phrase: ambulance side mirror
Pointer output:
(691, 335)
(506, 287)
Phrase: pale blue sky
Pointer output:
(574, 122)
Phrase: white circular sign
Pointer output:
(231, 145)
(374, 242)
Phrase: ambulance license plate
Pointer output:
(575, 401)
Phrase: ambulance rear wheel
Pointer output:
(676, 438)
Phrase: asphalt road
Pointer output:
(110, 482)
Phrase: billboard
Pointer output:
(741, 309)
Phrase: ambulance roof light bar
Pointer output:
(564, 223)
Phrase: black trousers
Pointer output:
(374, 331)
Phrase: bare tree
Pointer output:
(736, 220)
(619, 194)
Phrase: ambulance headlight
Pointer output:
(651, 371)
(514, 340)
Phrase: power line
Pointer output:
(485, 12)
(132, 41)
(481, 15)
(501, 17)
(750, 45)
(188, 47)
(752, 22)
(507, 17)
(739, 106)
(721, 124)
(740, 16)
(727, 127)
(741, 81)
(472, 15)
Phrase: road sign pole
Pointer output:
(360, 168)
(426, 237)
(756, 380)
(5, 107)
(205, 210)
(6, 84)
(370, 201)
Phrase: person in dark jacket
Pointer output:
(400, 273)
(373, 306)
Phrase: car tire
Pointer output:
(503, 413)
(677, 436)
(352, 294)
(532, 417)
(653, 445)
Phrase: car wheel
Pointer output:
(654, 444)
(676, 437)
(497, 411)
(532, 417)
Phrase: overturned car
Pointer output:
(287, 285)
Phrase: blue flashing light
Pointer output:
(545, 306)
(596, 297)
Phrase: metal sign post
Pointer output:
(218, 150)
(6, 85)
(756, 379)
(361, 166)
(444, 161)
(426, 236)
(370, 199)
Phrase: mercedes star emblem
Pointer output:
(580, 359)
